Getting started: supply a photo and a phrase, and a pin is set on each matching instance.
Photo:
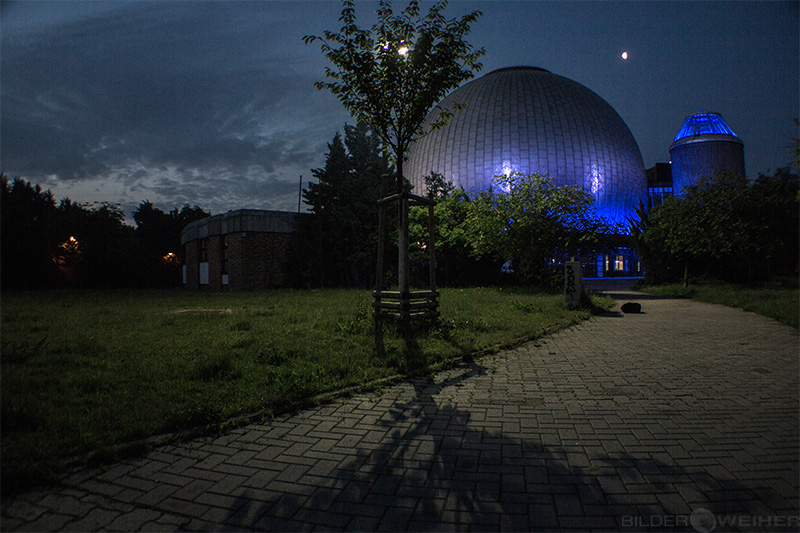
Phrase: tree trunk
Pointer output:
(686, 273)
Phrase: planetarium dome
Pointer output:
(527, 119)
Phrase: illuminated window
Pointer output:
(619, 263)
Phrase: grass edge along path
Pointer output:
(95, 375)
(778, 299)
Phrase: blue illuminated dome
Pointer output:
(526, 119)
(703, 124)
(704, 146)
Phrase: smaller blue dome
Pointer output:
(703, 124)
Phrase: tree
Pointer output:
(72, 244)
(705, 222)
(390, 76)
(106, 253)
(159, 235)
(726, 227)
(522, 218)
(455, 264)
(773, 213)
(48, 246)
(337, 241)
(527, 219)
(647, 238)
(28, 220)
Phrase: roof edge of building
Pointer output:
(519, 67)
(707, 137)
(240, 221)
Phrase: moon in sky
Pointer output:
(624, 55)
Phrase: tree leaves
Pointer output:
(391, 75)
(522, 217)
(724, 226)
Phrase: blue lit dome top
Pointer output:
(528, 120)
(703, 123)
(704, 146)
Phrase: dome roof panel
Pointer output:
(526, 119)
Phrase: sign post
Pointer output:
(573, 284)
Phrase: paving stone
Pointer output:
(363, 523)
(133, 521)
(95, 520)
(328, 519)
(129, 496)
(220, 501)
(568, 505)
(226, 468)
(107, 503)
(191, 491)
(183, 507)
(24, 510)
(157, 495)
(395, 519)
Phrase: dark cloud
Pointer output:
(152, 86)
(212, 103)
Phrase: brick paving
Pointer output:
(684, 417)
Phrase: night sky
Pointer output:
(213, 103)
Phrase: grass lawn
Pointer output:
(85, 371)
(779, 299)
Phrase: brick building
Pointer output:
(239, 250)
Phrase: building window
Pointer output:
(203, 270)
(619, 263)
(224, 254)
(657, 195)
(203, 252)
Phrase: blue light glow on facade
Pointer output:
(703, 124)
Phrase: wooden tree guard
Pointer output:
(404, 304)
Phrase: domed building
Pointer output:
(527, 119)
(703, 146)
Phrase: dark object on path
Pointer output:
(631, 307)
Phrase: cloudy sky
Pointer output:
(213, 103)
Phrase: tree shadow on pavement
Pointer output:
(444, 466)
